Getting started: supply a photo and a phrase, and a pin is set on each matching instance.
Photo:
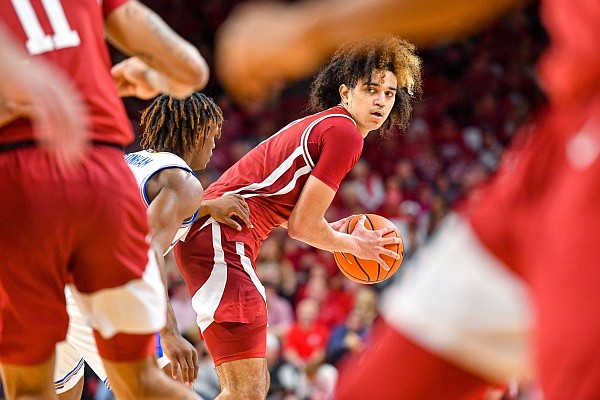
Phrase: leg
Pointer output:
(142, 380)
(31, 382)
(243, 379)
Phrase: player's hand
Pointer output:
(371, 244)
(183, 356)
(11, 110)
(132, 79)
(225, 208)
(260, 47)
(41, 93)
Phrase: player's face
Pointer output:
(371, 101)
(202, 157)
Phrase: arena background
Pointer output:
(477, 93)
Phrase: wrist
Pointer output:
(156, 80)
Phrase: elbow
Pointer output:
(199, 72)
(193, 78)
(294, 229)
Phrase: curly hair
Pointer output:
(177, 126)
(358, 61)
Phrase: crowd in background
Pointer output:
(477, 93)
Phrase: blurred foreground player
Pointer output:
(85, 225)
(178, 137)
(463, 317)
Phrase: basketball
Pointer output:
(369, 271)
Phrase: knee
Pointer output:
(250, 391)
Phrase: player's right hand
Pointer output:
(225, 208)
(183, 357)
(371, 244)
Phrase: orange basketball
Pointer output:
(369, 271)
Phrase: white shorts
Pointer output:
(79, 347)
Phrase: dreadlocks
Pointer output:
(358, 61)
(177, 126)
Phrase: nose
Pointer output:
(380, 99)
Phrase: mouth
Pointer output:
(377, 114)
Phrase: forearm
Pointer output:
(171, 326)
(177, 66)
(423, 22)
(319, 234)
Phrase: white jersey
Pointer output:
(144, 165)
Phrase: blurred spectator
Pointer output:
(369, 186)
(281, 313)
(347, 337)
(305, 343)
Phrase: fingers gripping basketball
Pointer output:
(369, 271)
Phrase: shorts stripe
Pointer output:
(206, 300)
(247, 264)
(59, 384)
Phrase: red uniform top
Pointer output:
(70, 34)
(271, 176)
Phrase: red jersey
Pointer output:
(271, 176)
(70, 35)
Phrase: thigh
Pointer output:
(21, 381)
(221, 277)
(232, 341)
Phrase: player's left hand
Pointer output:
(225, 208)
(183, 356)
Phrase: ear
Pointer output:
(344, 92)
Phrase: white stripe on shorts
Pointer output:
(206, 300)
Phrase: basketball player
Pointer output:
(290, 180)
(58, 119)
(463, 317)
(178, 136)
(85, 226)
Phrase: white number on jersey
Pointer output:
(37, 40)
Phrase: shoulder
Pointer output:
(180, 183)
(339, 131)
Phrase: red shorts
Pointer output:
(541, 217)
(87, 225)
(227, 296)
(231, 341)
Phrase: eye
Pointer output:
(390, 94)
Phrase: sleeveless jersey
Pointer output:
(144, 165)
(70, 35)
(272, 175)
